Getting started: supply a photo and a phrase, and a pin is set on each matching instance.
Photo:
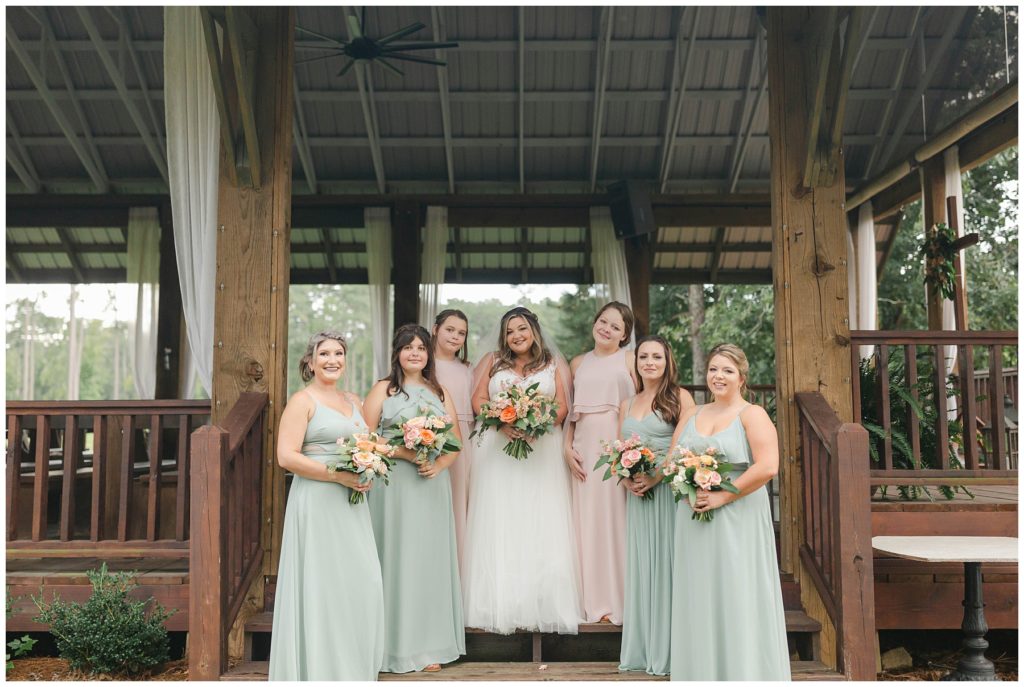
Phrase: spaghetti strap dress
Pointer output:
(601, 384)
(329, 604)
(725, 573)
(650, 522)
(415, 534)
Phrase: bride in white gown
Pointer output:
(520, 568)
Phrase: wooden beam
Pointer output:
(856, 32)
(328, 252)
(76, 262)
(639, 255)
(672, 123)
(155, 151)
(242, 37)
(933, 211)
(715, 262)
(437, 22)
(406, 221)
(169, 314)
(221, 74)
(819, 38)
(302, 144)
(38, 80)
(746, 116)
(20, 161)
(128, 45)
(601, 64)
(691, 276)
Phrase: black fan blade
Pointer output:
(318, 58)
(384, 63)
(402, 47)
(346, 68)
(413, 58)
(320, 36)
(401, 33)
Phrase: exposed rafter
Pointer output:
(746, 121)
(896, 136)
(715, 263)
(521, 96)
(325, 242)
(365, 85)
(98, 177)
(302, 142)
(672, 122)
(76, 263)
(601, 63)
(19, 160)
(125, 36)
(155, 151)
(12, 265)
(437, 21)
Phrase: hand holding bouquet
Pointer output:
(687, 471)
(366, 454)
(428, 434)
(627, 459)
(527, 410)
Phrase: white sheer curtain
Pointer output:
(144, 271)
(435, 254)
(193, 155)
(851, 279)
(378, 269)
(609, 260)
(867, 276)
(954, 187)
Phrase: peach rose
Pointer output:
(716, 479)
(508, 415)
(427, 436)
(630, 458)
(365, 445)
(702, 478)
(363, 459)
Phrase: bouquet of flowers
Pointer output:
(686, 471)
(627, 459)
(525, 409)
(366, 454)
(428, 434)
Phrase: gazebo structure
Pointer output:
(768, 139)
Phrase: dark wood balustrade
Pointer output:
(225, 522)
(986, 453)
(99, 478)
(837, 530)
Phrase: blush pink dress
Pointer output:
(600, 385)
(458, 380)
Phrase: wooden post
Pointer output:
(809, 258)
(168, 329)
(406, 220)
(640, 261)
(933, 210)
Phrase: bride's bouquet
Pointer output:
(627, 459)
(686, 471)
(366, 454)
(525, 409)
(428, 434)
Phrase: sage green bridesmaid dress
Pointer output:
(647, 613)
(728, 621)
(415, 533)
(329, 604)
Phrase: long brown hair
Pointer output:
(540, 355)
(463, 353)
(666, 398)
(627, 319)
(306, 361)
(404, 336)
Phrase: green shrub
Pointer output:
(109, 633)
(18, 647)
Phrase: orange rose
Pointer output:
(427, 436)
(508, 415)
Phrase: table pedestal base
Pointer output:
(973, 666)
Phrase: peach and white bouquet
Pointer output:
(527, 410)
(687, 470)
(368, 455)
(627, 458)
(428, 434)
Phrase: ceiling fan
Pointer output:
(378, 50)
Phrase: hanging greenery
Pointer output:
(939, 251)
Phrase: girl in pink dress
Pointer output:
(452, 368)
(602, 379)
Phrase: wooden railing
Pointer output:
(226, 515)
(837, 530)
(919, 452)
(99, 478)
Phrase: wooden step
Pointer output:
(796, 621)
(523, 671)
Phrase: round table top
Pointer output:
(950, 549)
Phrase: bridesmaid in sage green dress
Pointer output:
(329, 606)
(728, 621)
(652, 415)
(413, 521)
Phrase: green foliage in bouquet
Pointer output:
(109, 633)
(901, 404)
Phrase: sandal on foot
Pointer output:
(433, 668)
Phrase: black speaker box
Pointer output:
(630, 204)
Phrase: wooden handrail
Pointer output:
(949, 338)
(837, 530)
(149, 407)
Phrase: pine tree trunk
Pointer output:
(696, 306)
(73, 359)
(27, 362)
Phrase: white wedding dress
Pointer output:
(521, 569)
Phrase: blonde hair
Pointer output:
(305, 362)
(738, 357)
